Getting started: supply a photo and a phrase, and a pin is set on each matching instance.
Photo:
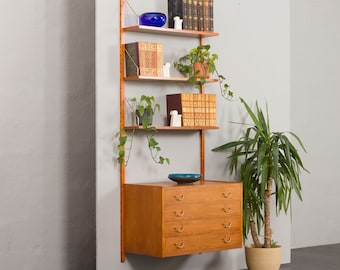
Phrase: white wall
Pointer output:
(253, 47)
(47, 151)
(315, 114)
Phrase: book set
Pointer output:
(197, 110)
(197, 15)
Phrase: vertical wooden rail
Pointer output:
(202, 135)
(121, 126)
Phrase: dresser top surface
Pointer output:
(173, 184)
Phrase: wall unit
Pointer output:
(166, 219)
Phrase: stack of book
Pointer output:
(197, 110)
(144, 59)
(197, 15)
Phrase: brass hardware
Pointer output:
(226, 196)
(179, 214)
(179, 230)
(179, 246)
(227, 225)
(179, 198)
(226, 210)
(226, 240)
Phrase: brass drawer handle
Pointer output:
(227, 195)
(227, 225)
(179, 230)
(179, 198)
(179, 214)
(179, 246)
(226, 210)
(227, 240)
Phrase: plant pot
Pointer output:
(263, 258)
(140, 118)
(201, 70)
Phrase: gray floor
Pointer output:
(315, 258)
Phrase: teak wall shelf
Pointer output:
(170, 79)
(166, 219)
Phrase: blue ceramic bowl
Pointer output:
(184, 178)
(152, 19)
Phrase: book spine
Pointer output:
(175, 8)
(194, 11)
(147, 58)
(211, 110)
(190, 9)
(200, 16)
(185, 14)
(131, 59)
(198, 110)
(159, 59)
(211, 15)
(206, 20)
(187, 109)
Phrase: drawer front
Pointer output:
(202, 227)
(201, 211)
(205, 194)
(212, 241)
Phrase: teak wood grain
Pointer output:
(164, 220)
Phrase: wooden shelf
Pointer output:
(170, 79)
(195, 128)
(169, 31)
(127, 202)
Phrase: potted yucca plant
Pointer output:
(269, 165)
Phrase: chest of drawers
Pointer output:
(166, 219)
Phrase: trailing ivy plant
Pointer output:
(143, 110)
(202, 54)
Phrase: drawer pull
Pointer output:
(179, 230)
(227, 195)
(179, 198)
(226, 240)
(179, 214)
(226, 210)
(179, 246)
(227, 225)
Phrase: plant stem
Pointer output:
(267, 229)
(254, 235)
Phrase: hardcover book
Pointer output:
(200, 15)
(211, 15)
(144, 59)
(206, 19)
(190, 13)
(175, 8)
(183, 103)
(211, 110)
(194, 18)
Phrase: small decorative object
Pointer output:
(166, 70)
(157, 19)
(184, 178)
(176, 119)
(178, 23)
